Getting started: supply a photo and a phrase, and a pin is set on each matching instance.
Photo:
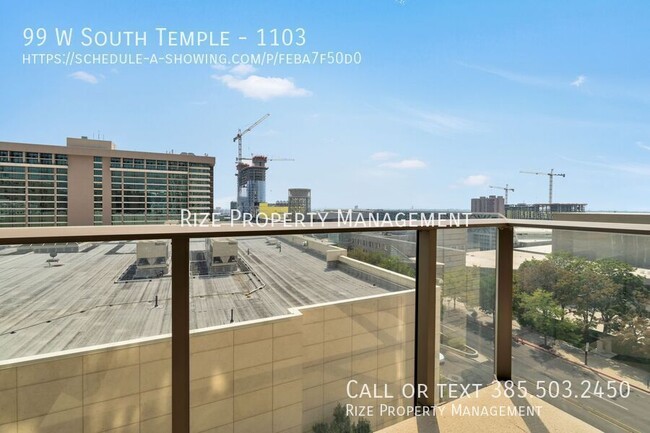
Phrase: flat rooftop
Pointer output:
(82, 301)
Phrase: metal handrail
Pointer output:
(24, 235)
(426, 299)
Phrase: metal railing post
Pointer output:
(427, 318)
(181, 334)
(503, 313)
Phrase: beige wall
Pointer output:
(369, 340)
(276, 375)
(393, 277)
(326, 250)
(605, 217)
(80, 190)
(632, 249)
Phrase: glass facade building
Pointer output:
(107, 186)
(154, 191)
(33, 188)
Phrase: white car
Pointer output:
(441, 358)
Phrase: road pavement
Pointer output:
(578, 386)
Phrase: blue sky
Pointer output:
(450, 96)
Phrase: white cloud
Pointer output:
(512, 76)
(625, 167)
(579, 81)
(263, 88)
(432, 122)
(243, 70)
(405, 164)
(382, 156)
(219, 67)
(642, 145)
(476, 180)
(84, 76)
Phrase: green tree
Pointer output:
(342, 424)
(555, 274)
(633, 338)
(594, 292)
(606, 286)
(362, 426)
(537, 274)
(628, 293)
(487, 290)
(541, 310)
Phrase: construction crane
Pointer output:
(550, 181)
(506, 189)
(240, 134)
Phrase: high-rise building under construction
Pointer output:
(251, 184)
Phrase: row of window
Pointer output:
(9, 183)
(22, 169)
(19, 157)
(38, 191)
(158, 164)
(21, 176)
(22, 212)
(46, 221)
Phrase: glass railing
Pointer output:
(582, 334)
(272, 328)
(84, 336)
(466, 273)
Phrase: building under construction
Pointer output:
(541, 211)
(251, 184)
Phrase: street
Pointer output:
(619, 414)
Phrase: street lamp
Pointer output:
(586, 333)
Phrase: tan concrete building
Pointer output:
(89, 182)
(632, 249)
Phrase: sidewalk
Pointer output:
(598, 363)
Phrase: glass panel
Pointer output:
(354, 321)
(466, 260)
(94, 318)
(583, 336)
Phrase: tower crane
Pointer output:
(506, 189)
(240, 134)
(550, 181)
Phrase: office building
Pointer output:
(89, 182)
(299, 200)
